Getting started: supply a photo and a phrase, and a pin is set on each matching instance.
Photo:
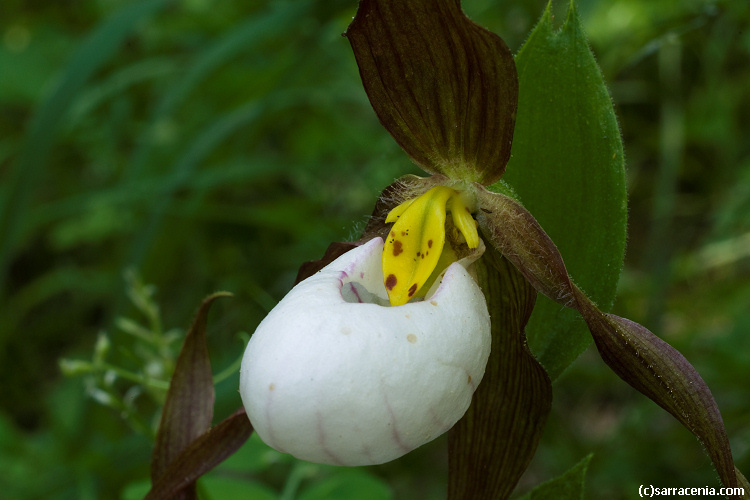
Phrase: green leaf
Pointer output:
(743, 483)
(568, 486)
(491, 446)
(255, 456)
(247, 35)
(136, 490)
(567, 168)
(28, 169)
(233, 488)
(346, 484)
(201, 146)
(242, 38)
(443, 87)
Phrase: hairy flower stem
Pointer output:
(491, 446)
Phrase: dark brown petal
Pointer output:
(519, 237)
(189, 405)
(201, 455)
(444, 88)
(491, 446)
(659, 371)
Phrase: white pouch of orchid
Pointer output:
(336, 375)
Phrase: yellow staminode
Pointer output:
(416, 240)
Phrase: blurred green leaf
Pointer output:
(201, 146)
(228, 488)
(567, 168)
(347, 484)
(25, 59)
(241, 38)
(254, 456)
(216, 487)
(28, 168)
(136, 490)
(568, 486)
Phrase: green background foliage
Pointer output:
(217, 145)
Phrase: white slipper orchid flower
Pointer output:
(336, 375)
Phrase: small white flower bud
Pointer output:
(334, 375)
